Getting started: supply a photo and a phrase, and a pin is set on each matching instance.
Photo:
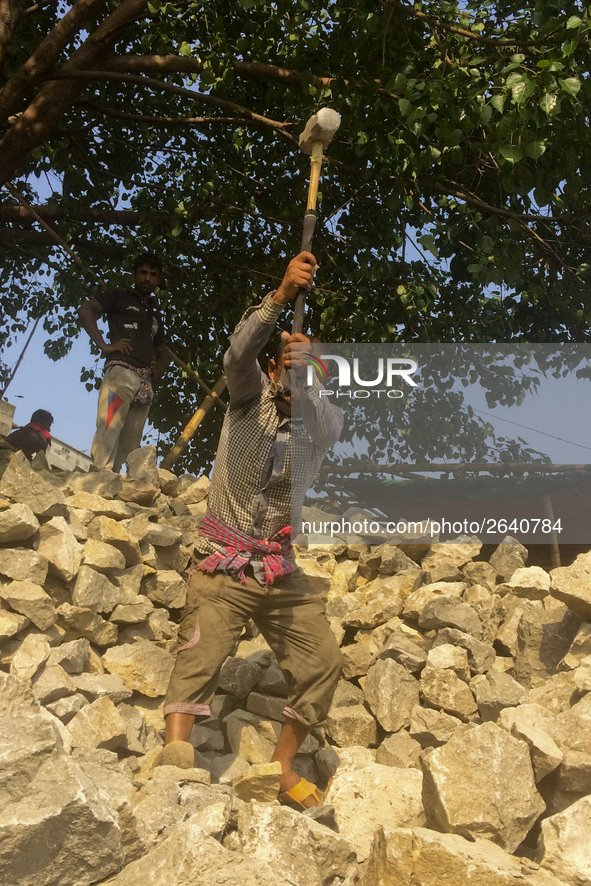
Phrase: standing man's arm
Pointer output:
(89, 314)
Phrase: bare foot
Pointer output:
(289, 780)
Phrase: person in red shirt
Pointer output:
(33, 437)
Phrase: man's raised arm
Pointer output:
(245, 377)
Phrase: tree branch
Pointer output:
(151, 83)
(46, 55)
(31, 10)
(453, 190)
(172, 64)
(10, 13)
(20, 214)
(54, 98)
(469, 35)
(168, 121)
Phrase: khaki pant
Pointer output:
(290, 615)
(120, 422)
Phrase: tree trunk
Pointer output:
(56, 96)
(45, 56)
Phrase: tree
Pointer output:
(455, 201)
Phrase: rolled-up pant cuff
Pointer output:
(293, 715)
(181, 707)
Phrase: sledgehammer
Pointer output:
(317, 136)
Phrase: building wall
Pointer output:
(6, 416)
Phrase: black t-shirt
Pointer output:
(129, 317)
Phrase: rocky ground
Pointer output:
(457, 749)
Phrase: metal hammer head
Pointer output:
(320, 128)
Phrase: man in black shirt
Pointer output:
(135, 355)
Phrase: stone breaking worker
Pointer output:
(270, 449)
(136, 355)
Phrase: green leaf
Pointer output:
(511, 153)
(404, 106)
(573, 22)
(498, 102)
(535, 149)
(548, 102)
(571, 85)
(427, 241)
(184, 48)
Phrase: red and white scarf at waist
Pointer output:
(239, 548)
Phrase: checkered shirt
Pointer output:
(266, 461)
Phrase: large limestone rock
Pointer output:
(142, 666)
(55, 828)
(298, 848)
(141, 465)
(530, 582)
(351, 726)
(167, 588)
(416, 602)
(419, 857)
(446, 612)
(441, 688)
(458, 552)
(372, 796)
(260, 783)
(17, 523)
(21, 564)
(481, 784)
(82, 622)
(30, 599)
(107, 484)
(496, 691)
(22, 484)
(481, 656)
(534, 725)
(391, 693)
(98, 725)
(111, 532)
(29, 657)
(573, 736)
(58, 543)
(331, 758)
(543, 639)
(101, 556)
(572, 585)
(117, 510)
(563, 847)
(399, 750)
(16, 698)
(432, 728)
(52, 683)
(11, 624)
(93, 590)
(197, 858)
(508, 557)
(95, 686)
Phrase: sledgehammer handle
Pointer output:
(300, 300)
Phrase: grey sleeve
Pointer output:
(245, 377)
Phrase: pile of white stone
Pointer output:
(457, 749)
